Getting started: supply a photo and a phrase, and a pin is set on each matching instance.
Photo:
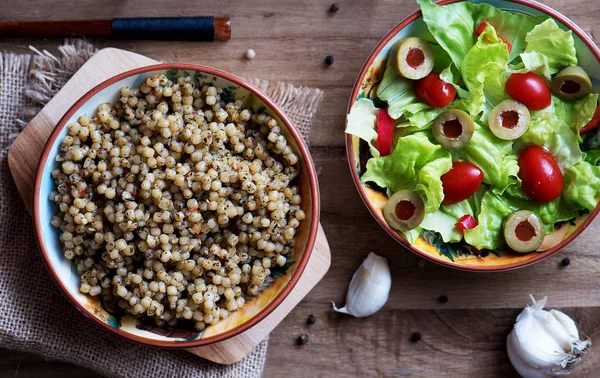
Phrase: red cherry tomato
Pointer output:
(460, 182)
(466, 222)
(434, 91)
(385, 132)
(482, 27)
(530, 89)
(541, 175)
(593, 124)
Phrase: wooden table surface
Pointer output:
(462, 338)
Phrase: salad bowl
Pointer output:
(428, 243)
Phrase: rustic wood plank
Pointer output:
(291, 40)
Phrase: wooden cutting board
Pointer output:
(25, 153)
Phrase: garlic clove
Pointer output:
(544, 343)
(534, 344)
(566, 322)
(369, 288)
(554, 329)
(523, 368)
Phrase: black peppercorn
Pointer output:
(443, 299)
(415, 337)
(334, 7)
(566, 261)
(311, 319)
(329, 60)
(302, 339)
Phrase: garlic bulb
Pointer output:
(544, 343)
(369, 288)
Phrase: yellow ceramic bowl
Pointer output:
(429, 244)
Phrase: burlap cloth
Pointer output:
(34, 316)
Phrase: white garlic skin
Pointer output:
(369, 288)
(544, 343)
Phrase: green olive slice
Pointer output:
(523, 231)
(404, 210)
(571, 83)
(453, 129)
(509, 120)
(412, 58)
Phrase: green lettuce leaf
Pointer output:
(556, 44)
(532, 62)
(556, 136)
(494, 209)
(483, 72)
(452, 25)
(398, 92)
(576, 114)
(582, 185)
(488, 233)
(592, 157)
(511, 26)
(415, 164)
(494, 157)
(362, 121)
(443, 221)
(442, 58)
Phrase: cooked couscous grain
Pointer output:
(174, 204)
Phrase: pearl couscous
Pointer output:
(174, 203)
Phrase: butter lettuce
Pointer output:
(495, 208)
(511, 26)
(547, 130)
(582, 185)
(556, 44)
(532, 62)
(578, 113)
(494, 157)
(444, 219)
(362, 121)
(452, 26)
(398, 92)
(415, 164)
(483, 72)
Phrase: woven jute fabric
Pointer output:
(34, 316)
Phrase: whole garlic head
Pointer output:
(544, 343)
(369, 288)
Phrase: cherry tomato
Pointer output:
(460, 182)
(530, 89)
(540, 173)
(593, 124)
(434, 91)
(466, 222)
(385, 132)
(482, 27)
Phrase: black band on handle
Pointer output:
(165, 28)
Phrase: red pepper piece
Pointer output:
(385, 132)
(466, 222)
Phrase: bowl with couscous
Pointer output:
(176, 205)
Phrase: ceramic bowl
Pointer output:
(277, 286)
(429, 244)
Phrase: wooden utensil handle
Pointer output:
(162, 28)
(62, 28)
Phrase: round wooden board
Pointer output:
(25, 152)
